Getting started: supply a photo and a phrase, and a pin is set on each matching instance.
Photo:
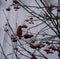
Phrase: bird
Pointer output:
(19, 32)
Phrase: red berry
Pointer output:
(32, 46)
(31, 22)
(24, 26)
(42, 45)
(32, 41)
(48, 51)
(36, 46)
(58, 10)
(58, 49)
(26, 20)
(16, 49)
(57, 17)
(26, 36)
(48, 43)
(6, 30)
(14, 40)
(31, 18)
(33, 57)
(16, 7)
(8, 9)
(52, 47)
(50, 8)
(15, 1)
